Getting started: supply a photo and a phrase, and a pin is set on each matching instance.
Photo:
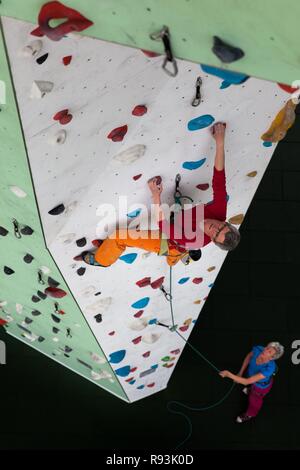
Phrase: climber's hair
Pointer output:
(279, 349)
(232, 239)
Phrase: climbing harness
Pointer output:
(197, 100)
(164, 35)
(173, 328)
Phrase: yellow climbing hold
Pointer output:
(252, 174)
(282, 122)
(211, 268)
(236, 219)
(197, 301)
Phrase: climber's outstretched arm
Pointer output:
(218, 133)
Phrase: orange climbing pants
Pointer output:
(149, 240)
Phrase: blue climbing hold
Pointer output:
(132, 382)
(155, 366)
(140, 387)
(210, 285)
(267, 144)
(200, 122)
(129, 259)
(229, 78)
(193, 165)
(117, 356)
(153, 321)
(183, 280)
(123, 371)
(134, 214)
(142, 303)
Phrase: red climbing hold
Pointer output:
(151, 385)
(146, 354)
(197, 280)
(137, 340)
(203, 187)
(158, 283)
(144, 282)
(55, 292)
(117, 134)
(133, 369)
(176, 351)
(63, 117)
(139, 314)
(139, 110)
(67, 59)
(111, 333)
(287, 88)
(184, 328)
(2, 322)
(56, 10)
(130, 379)
(137, 177)
(37, 32)
(150, 53)
(97, 243)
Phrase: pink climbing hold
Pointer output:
(184, 328)
(137, 340)
(139, 314)
(144, 282)
(67, 59)
(56, 10)
(197, 280)
(147, 354)
(55, 292)
(158, 283)
(111, 333)
(176, 351)
(117, 134)
(139, 110)
(203, 187)
(150, 53)
(137, 177)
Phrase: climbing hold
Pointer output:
(37, 32)
(157, 283)
(42, 59)
(211, 268)
(26, 230)
(19, 308)
(144, 282)
(18, 191)
(41, 295)
(111, 333)
(129, 259)
(225, 52)
(131, 154)
(27, 320)
(203, 187)
(3, 231)
(151, 385)
(287, 88)
(40, 88)
(57, 210)
(282, 122)
(58, 138)
(197, 280)
(134, 214)
(116, 357)
(142, 303)
(166, 358)
(32, 49)
(136, 177)
(98, 318)
(150, 338)
(3, 322)
(176, 351)
(252, 174)
(146, 354)
(200, 122)
(168, 365)
(56, 10)
(55, 318)
(139, 110)
(8, 270)
(150, 53)
(187, 322)
(66, 119)
(54, 292)
(63, 116)
(67, 60)
(138, 314)
(81, 242)
(139, 324)
(52, 282)
(229, 77)
(237, 219)
(137, 340)
(81, 271)
(28, 258)
(184, 328)
(123, 371)
(183, 280)
(36, 313)
(35, 299)
(97, 243)
(117, 134)
(193, 165)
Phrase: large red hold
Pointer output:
(55, 292)
(287, 88)
(56, 10)
(139, 110)
(144, 282)
(117, 134)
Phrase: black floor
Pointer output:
(255, 300)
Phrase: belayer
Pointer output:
(165, 240)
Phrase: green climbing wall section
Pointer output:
(28, 275)
(267, 31)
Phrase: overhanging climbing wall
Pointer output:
(74, 163)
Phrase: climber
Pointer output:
(261, 368)
(165, 241)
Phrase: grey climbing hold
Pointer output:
(41, 339)
(42, 59)
(3, 231)
(28, 258)
(57, 210)
(58, 138)
(40, 88)
(52, 282)
(36, 313)
(26, 230)
(55, 330)
(98, 318)
(18, 191)
(225, 52)
(28, 321)
(41, 295)
(35, 299)
(81, 271)
(32, 49)
(55, 318)
(8, 270)
(81, 242)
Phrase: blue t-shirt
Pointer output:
(266, 369)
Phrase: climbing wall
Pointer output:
(99, 120)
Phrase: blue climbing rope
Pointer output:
(191, 408)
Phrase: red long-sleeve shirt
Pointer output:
(216, 209)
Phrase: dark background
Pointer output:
(255, 300)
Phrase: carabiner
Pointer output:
(164, 35)
(16, 228)
(197, 100)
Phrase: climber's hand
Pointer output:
(218, 132)
(155, 185)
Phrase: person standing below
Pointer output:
(260, 365)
